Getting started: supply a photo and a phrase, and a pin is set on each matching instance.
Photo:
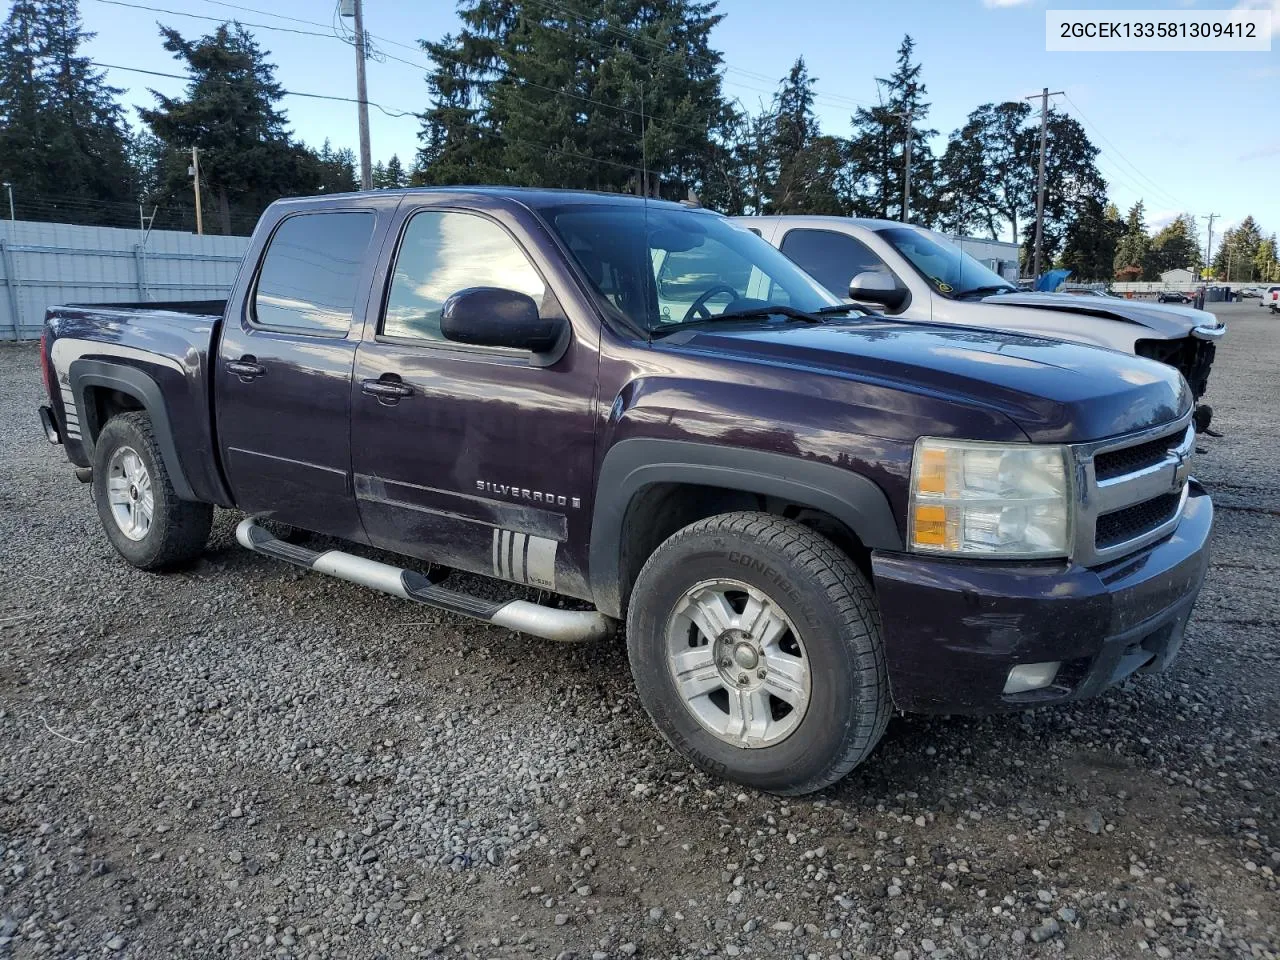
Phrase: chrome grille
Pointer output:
(1130, 490)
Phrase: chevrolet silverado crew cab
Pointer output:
(807, 515)
(917, 274)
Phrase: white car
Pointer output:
(1271, 298)
(917, 274)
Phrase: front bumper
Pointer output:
(954, 628)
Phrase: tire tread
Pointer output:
(846, 587)
(183, 525)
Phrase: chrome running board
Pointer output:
(550, 623)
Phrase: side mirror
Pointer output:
(493, 317)
(876, 286)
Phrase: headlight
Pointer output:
(989, 499)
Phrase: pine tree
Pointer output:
(1236, 255)
(876, 147)
(395, 175)
(808, 164)
(22, 102)
(1176, 246)
(589, 94)
(230, 111)
(1133, 247)
(63, 139)
(1264, 261)
(1089, 246)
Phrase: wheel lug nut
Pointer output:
(763, 673)
(724, 662)
(742, 678)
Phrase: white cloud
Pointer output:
(1261, 153)
(1272, 5)
(1006, 3)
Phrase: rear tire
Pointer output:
(791, 692)
(140, 513)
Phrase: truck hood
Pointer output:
(1168, 321)
(1053, 390)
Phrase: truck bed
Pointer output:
(164, 344)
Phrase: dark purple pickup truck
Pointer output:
(807, 515)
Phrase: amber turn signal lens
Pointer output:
(930, 525)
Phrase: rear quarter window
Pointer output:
(310, 274)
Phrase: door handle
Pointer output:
(387, 391)
(246, 368)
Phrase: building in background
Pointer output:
(998, 255)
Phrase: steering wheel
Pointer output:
(699, 306)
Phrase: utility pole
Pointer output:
(909, 116)
(355, 10)
(1044, 128)
(1208, 247)
(195, 181)
(9, 190)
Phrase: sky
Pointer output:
(1184, 132)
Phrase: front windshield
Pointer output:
(949, 270)
(662, 267)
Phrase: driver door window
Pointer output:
(443, 252)
(833, 259)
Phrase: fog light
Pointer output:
(1031, 676)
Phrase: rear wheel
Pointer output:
(755, 644)
(140, 513)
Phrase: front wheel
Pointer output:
(755, 645)
(140, 513)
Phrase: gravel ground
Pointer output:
(246, 760)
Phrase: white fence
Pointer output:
(44, 264)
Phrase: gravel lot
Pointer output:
(246, 760)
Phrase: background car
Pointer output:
(1174, 296)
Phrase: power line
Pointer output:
(389, 111)
(421, 66)
(1116, 150)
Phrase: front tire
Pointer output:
(755, 645)
(140, 513)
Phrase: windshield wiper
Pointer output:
(983, 291)
(841, 308)
(754, 313)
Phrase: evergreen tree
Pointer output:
(63, 139)
(394, 174)
(22, 101)
(876, 148)
(808, 164)
(1134, 245)
(1235, 260)
(528, 94)
(231, 113)
(1177, 246)
(1265, 262)
(334, 171)
(1091, 239)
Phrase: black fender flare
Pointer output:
(137, 384)
(632, 465)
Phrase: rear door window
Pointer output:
(833, 259)
(310, 275)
